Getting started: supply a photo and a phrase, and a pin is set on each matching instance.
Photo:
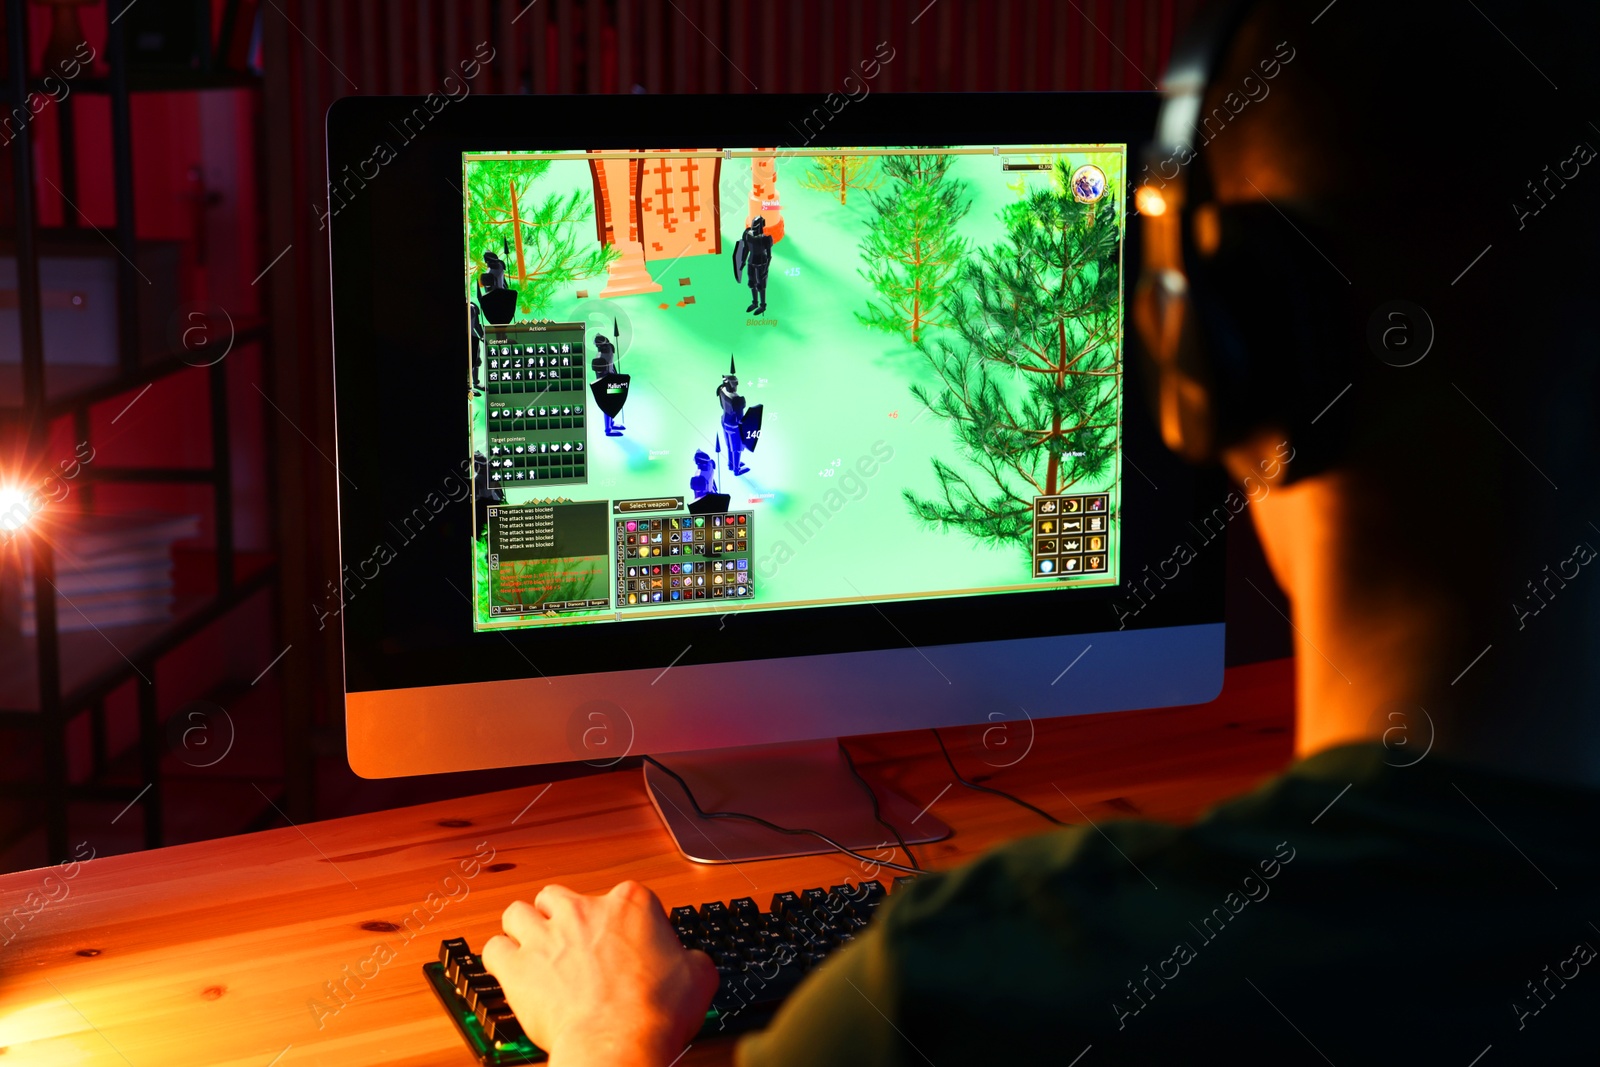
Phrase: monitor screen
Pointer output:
(728, 379)
(609, 447)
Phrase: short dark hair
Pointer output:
(1394, 125)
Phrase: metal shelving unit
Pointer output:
(49, 680)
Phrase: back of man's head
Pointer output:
(1441, 155)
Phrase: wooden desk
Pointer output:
(224, 953)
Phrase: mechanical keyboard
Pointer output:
(760, 955)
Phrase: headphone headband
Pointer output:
(1239, 326)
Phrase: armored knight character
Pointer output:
(610, 401)
(704, 479)
(610, 386)
(753, 256)
(741, 429)
(495, 296)
(703, 484)
(494, 278)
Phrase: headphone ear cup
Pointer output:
(1178, 387)
(1268, 311)
(1227, 354)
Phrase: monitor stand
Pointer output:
(801, 785)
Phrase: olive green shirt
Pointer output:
(1348, 912)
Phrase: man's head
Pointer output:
(1366, 154)
(757, 225)
(1344, 268)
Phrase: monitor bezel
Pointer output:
(393, 641)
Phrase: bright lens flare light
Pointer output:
(1149, 201)
(15, 509)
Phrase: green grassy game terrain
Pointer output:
(859, 421)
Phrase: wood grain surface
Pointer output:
(264, 950)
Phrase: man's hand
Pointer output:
(600, 980)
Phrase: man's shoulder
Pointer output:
(1340, 816)
(1141, 938)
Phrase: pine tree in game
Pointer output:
(838, 175)
(544, 248)
(913, 251)
(1031, 378)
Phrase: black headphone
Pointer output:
(1246, 327)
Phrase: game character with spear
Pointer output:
(610, 387)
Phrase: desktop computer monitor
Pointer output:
(717, 425)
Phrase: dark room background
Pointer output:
(173, 155)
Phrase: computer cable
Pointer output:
(675, 776)
(986, 789)
(876, 813)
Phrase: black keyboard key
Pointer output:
(810, 923)
(455, 946)
(781, 984)
(453, 966)
(485, 988)
(468, 971)
(815, 941)
(765, 986)
(903, 881)
(819, 905)
(785, 905)
(505, 1027)
(760, 955)
(842, 899)
(488, 1007)
(725, 999)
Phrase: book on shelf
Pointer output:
(85, 536)
(110, 570)
(76, 614)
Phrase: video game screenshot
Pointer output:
(704, 380)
